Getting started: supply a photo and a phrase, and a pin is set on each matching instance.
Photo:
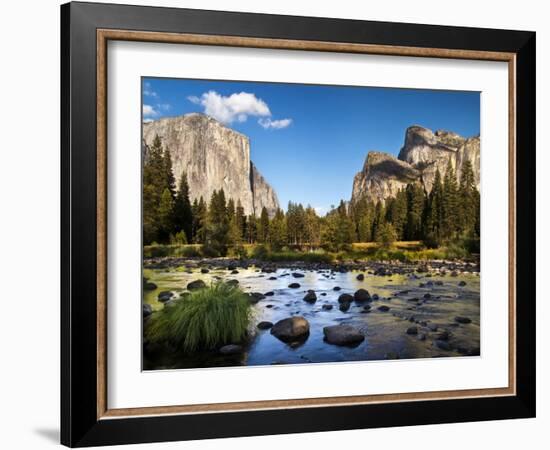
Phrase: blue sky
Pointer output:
(309, 141)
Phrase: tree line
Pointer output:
(450, 211)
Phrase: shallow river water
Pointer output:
(386, 337)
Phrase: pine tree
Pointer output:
(251, 229)
(200, 218)
(450, 204)
(218, 222)
(263, 226)
(166, 215)
(150, 206)
(346, 230)
(379, 218)
(468, 200)
(168, 174)
(277, 230)
(183, 213)
(234, 233)
(154, 184)
(240, 220)
(415, 207)
(433, 216)
(230, 209)
(312, 232)
(396, 213)
(386, 235)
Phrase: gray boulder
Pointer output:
(344, 335)
(147, 310)
(164, 296)
(231, 349)
(362, 295)
(265, 325)
(345, 298)
(197, 284)
(291, 329)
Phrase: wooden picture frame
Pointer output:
(86, 418)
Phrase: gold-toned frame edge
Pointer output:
(103, 36)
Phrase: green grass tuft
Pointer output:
(203, 320)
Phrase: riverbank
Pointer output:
(382, 309)
(380, 268)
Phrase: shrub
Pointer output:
(260, 252)
(205, 319)
(190, 251)
(386, 235)
(178, 239)
(238, 251)
(212, 250)
(431, 241)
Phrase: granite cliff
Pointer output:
(213, 157)
(422, 154)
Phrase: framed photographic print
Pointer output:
(276, 224)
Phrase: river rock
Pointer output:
(205, 270)
(362, 295)
(294, 285)
(327, 307)
(345, 298)
(336, 288)
(310, 297)
(462, 283)
(147, 310)
(272, 278)
(255, 297)
(149, 285)
(462, 319)
(234, 272)
(443, 345)
(197, 284)
(291, 329)
(375, 296)
(298, 275)
(344, 335)
(344, 306)
(231, 349)
(265, 325)
(269, 294)
(443, 336)
(383, 308)
(164, 296)
(412, 330)
(232, 282)
(360, 277)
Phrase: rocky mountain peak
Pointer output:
(423, 153)
(213, 157)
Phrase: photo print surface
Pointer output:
(298, 224)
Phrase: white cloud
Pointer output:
(274, 124)
(149, 111)
(163, 106)
(147, 120)
(148, 91)
(235, 107)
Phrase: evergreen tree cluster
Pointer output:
(450, 211)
